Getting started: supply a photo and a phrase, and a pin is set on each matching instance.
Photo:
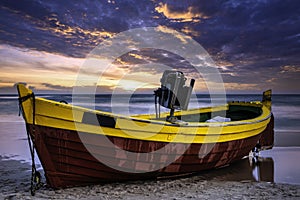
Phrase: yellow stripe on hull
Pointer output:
(64, 116)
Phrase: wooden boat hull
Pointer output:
(67, 162)
(79, 146)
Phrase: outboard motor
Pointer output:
(173, 93)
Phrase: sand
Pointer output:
(15, 184)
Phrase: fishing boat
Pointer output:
(81, 146)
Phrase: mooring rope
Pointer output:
(35, 183)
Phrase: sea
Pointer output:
(279, 165)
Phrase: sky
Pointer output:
(255, 44)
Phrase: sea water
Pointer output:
(281, 164)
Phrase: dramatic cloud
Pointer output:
(255, 44)
(190, 14)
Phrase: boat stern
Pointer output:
(267, 139)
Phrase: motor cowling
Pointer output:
(173, 93)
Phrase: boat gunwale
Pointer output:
(262, 117)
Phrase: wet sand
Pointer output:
(15, 184)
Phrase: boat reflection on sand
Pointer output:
(247, 169)
(263, 168)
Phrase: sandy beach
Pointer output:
(15, 184)
(276, 177)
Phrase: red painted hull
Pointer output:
(67, 162)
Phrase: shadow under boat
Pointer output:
(248, 169)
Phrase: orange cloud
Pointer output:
(189, 31)
(189, 15)
(290, 68)
(69, 31)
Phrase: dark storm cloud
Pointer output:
(159, 56)
(227, 27)
(251, 28)
(72, 28)
(255, 38)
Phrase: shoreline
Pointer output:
(15, 184)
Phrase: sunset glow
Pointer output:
(45, 44)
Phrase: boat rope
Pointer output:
(35, 182)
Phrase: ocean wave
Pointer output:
(286, 111)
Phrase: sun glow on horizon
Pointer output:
(52, 72)
(37, 68)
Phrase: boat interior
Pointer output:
(233, 111)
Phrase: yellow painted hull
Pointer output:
(65, 116)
